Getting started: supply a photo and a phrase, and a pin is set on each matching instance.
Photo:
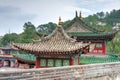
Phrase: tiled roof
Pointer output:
(29, 58)
(83, 24)
(103, 35)
(91, 32)
(8, 47)
(56, 43)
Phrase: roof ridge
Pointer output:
(87, 26)
(82, 23)
(61, 30)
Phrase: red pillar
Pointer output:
(71, 62)
(104, 48)
(37, 62)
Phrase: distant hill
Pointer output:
(104, 20)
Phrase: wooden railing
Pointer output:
(63, 73)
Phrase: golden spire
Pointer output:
(80, 15)
(60, 22)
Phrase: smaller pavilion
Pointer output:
(6, 57)
(56, 49)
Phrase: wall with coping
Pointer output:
(78, 72)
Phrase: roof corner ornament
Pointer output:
(80, 15)
(60, 22)
(76, 14)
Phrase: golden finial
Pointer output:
(80, 16)
(60, 22)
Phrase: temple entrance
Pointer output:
(7, 63)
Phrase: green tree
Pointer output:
(100, 15)
(28, 34)
(113, 17)
(91, 20)
(9, 37)
(46, 28)
(0, 42)
(113, 46)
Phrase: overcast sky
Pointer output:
(14, 13)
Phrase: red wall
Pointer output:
(100, 48)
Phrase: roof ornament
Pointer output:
(60, 22)
(80, 15)
(76, 14)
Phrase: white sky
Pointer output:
(14, 13)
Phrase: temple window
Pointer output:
(98, 45)
(50, 62)
(66, 63)
(76, 61)
(58, 63)
(43, 62)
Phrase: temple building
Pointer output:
(65, 44)
(83, 32)
(79, 30)
(56, 49)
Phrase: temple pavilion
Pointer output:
(56, 49)
(6, 57)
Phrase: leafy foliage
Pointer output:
(8, 37)
(28, 34)
(114, 45)
(104, 20)
(46, 28)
